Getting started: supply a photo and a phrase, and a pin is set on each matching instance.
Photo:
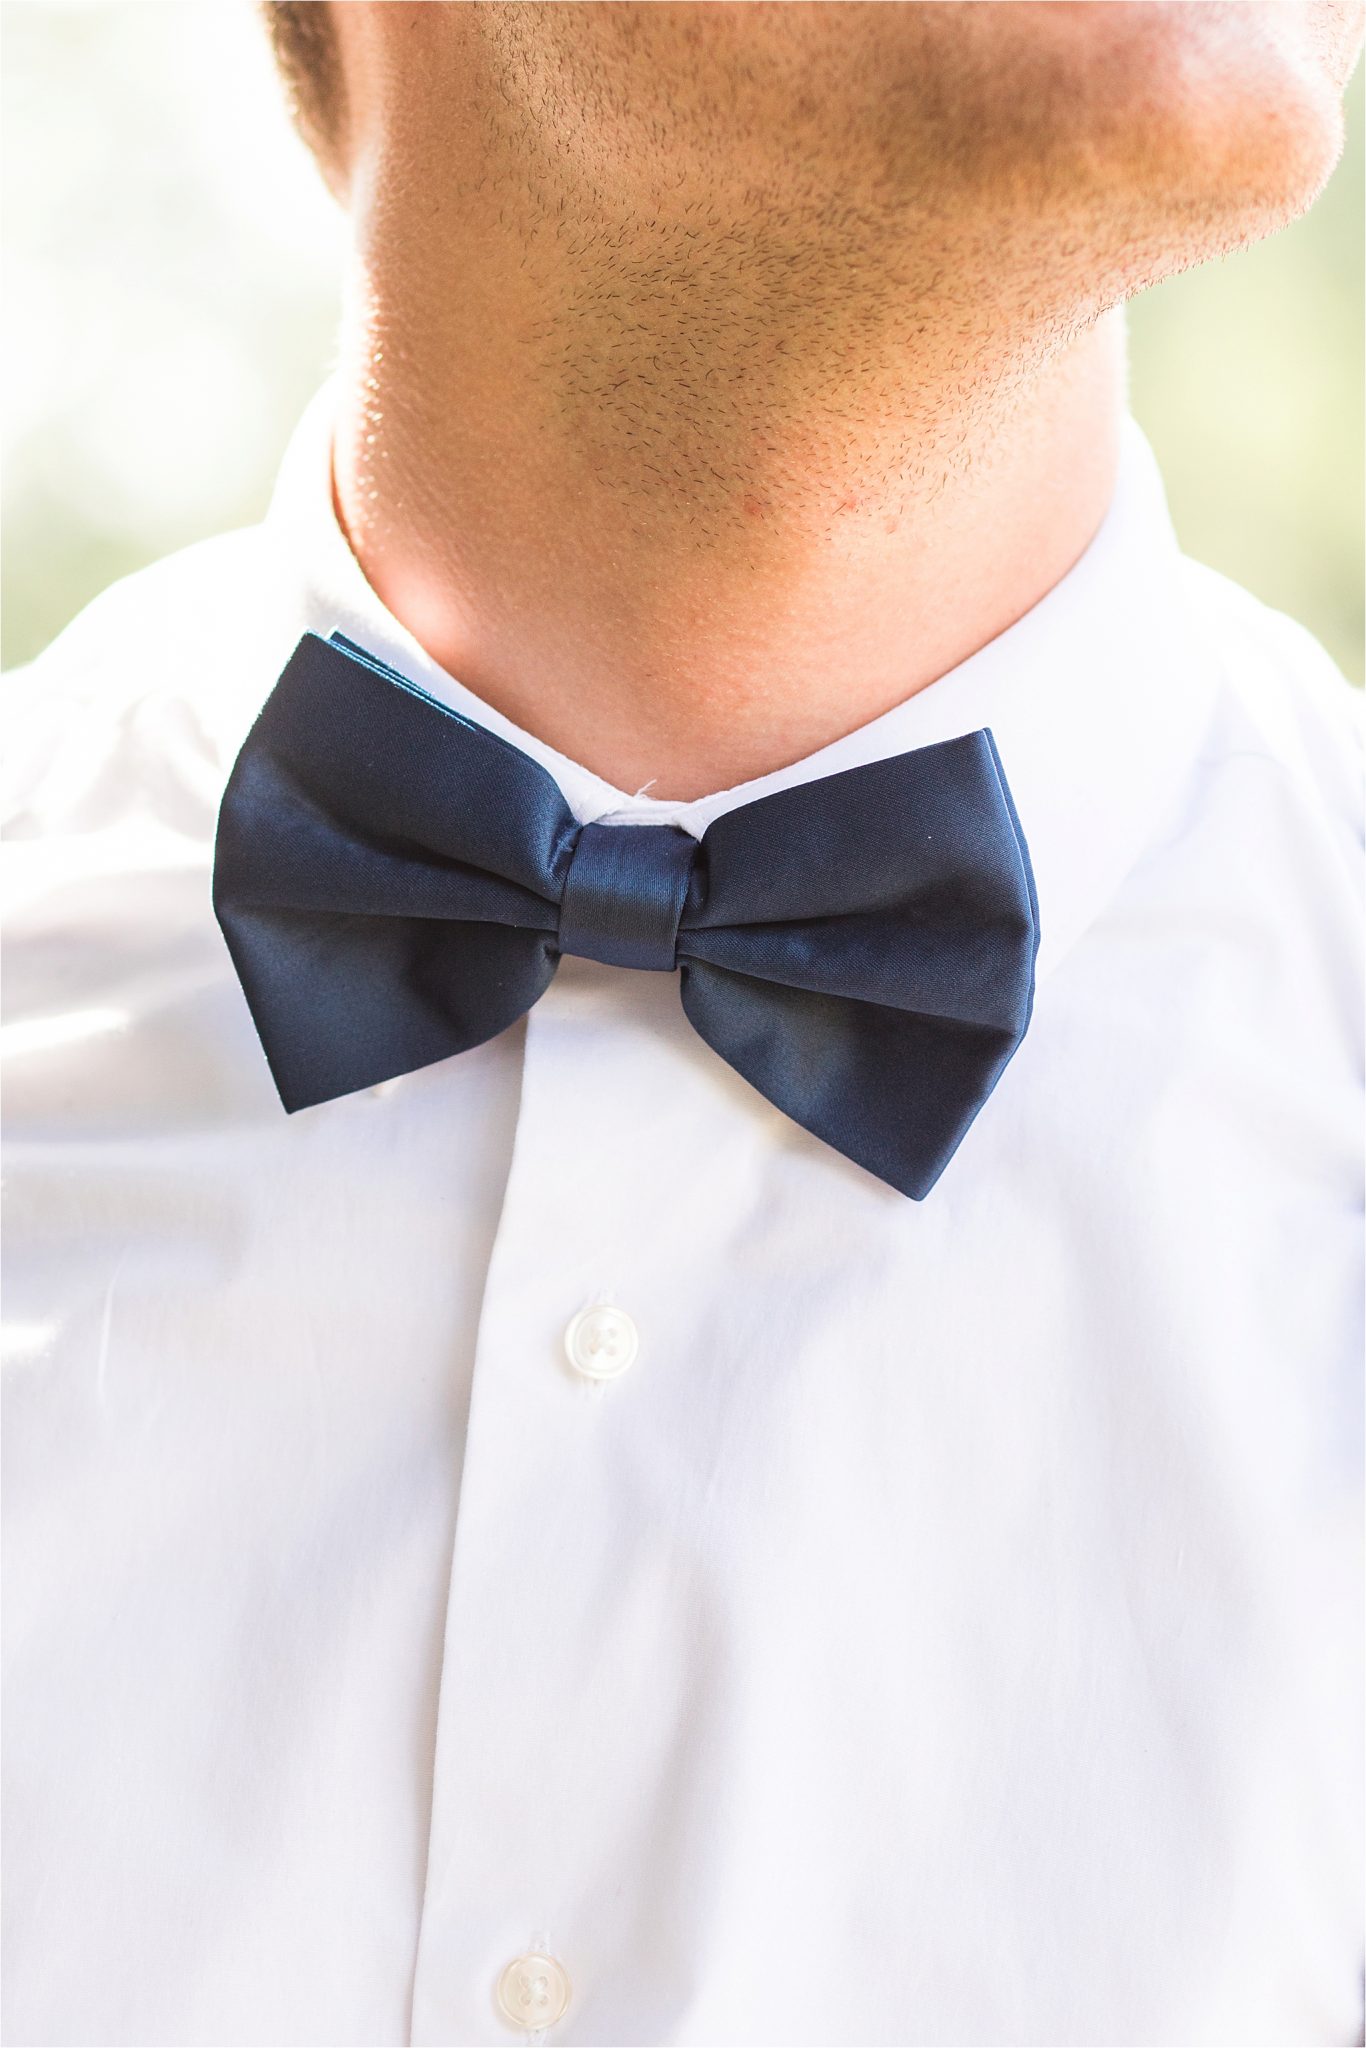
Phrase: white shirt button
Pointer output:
(601, 1342)
(533, 1991)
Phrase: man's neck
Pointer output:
(683, 591)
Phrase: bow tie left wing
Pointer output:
(862, 950)
(386, 875)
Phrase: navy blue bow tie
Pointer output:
(396, 884)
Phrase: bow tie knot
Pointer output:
(624, 894)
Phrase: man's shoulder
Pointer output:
(146, 681)
(1286, 700)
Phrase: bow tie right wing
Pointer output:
(861, 949)
(386, 874)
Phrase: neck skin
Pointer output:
(680, 580)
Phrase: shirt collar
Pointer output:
(1096, 697)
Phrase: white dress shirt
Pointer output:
(922, 1622)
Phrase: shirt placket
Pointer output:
(555, 1702)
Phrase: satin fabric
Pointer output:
(396, 885)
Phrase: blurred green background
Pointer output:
(172, 267)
